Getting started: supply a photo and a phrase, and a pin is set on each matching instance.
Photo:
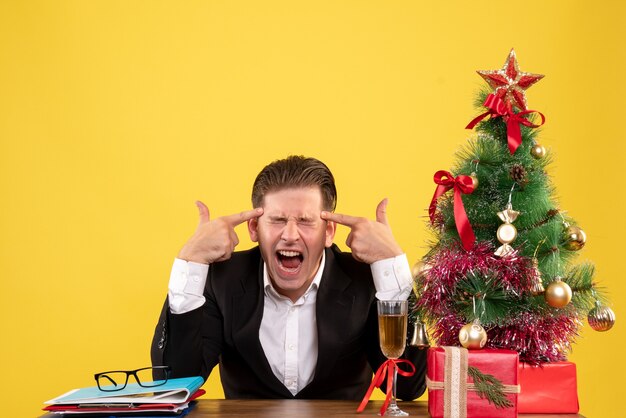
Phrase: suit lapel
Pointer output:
(333, 309)
(247, 306)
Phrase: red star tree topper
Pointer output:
(509, 82)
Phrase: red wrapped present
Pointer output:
(548, 389)
(451, 391)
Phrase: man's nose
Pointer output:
(290, 231)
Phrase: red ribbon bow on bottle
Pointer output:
(461, 184)
(513, 120)
(386, 370)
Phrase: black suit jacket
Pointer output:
(225, 330)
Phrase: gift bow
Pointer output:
(461, 184)
(496, 107)
(386, 370)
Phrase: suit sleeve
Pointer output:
(408, 388)
(190, 343)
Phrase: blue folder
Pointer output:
(173, 391)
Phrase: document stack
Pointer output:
(174, 399)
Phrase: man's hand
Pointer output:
(215, 240)
(369, 240)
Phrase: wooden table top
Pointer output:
(266, 408)
(310, 409)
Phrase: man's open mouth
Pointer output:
(289, 260)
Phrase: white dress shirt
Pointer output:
(288, 332)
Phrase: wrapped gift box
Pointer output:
(548, 389)
(445, 391)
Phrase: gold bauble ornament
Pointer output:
(558, 293)
(473, 336)
(538, 151)
(574, 238)
(474, 178)
(419, 269)
(601, 318)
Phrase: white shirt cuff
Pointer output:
(392, 278)
(186, 287)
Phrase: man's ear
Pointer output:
(253, 224)
(331, 228)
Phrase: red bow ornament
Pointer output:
(496, 108)
(386, 369)
(461, 184)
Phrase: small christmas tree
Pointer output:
(500, 271)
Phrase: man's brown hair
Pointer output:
(295, 171)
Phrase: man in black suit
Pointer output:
(294, 317)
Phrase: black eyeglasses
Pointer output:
(115, 380)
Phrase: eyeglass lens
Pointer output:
(117, 380)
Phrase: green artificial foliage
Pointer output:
(489, 387)
(480, 297)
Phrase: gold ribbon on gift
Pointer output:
(455, 384)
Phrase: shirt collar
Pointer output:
(270, 290)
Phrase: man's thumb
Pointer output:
(381, 212)
(203, 212)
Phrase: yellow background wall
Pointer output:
(115, 116)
